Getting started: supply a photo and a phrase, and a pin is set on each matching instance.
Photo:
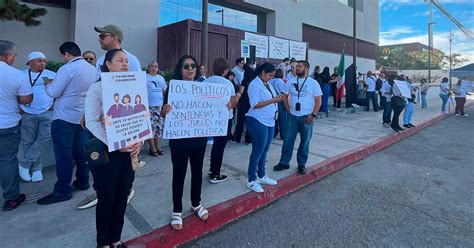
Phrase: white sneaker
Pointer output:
(24, 173)
(130, 196)
(37, 176)
(466, 115)
(457, 114)
(255, 186)
(141, 164)
(266, 180)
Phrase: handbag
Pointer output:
(96, 152)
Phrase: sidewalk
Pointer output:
(61, 225)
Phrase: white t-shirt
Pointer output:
(444, 88)
(41, 101)
(14, 83)
(133, 62)
(156, 85)
(222, 80)
(290, 76)
(370, 81)
(258, 92)
(309, 89)
(280, 86)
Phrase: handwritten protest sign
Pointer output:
(125, 108)
(198, 110)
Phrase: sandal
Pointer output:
(160, 152)
(176, 221)
(152, 153)
(201, 212)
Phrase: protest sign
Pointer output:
(125, 108)
(403, 87)
(298, 50)
(197, 110)
(278, 48)
(260, 42)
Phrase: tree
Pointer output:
(397, 58)
(13, 10)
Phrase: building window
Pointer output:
(172, 11)
(350, 3)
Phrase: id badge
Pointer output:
(298, 106)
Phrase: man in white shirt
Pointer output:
(386, 92)
(370, 83)
(238, 70)
(305, 101)
(111, 37)
(15, 90)
(284, 66)
(69, 89)
(220, 68)
(36, 120)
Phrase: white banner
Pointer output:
(298, 50)
(260, 42)
(125, 108)
(278, 48)
(198, 109)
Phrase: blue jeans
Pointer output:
(69, 141)
(387, 112)
(423, 101)
(444, 98)
(261, 136)
(326, 90)
(282, 120)
(408, 113)
(9, 179)
(296, 124)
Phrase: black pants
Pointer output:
(217, 154)
(398, 104)
(242, 111)
(370, 95)
(229, 128)
(112, 182)
(337, 102)
(383, 101)
(180, 158)
(460, 102)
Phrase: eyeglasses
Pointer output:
(188, 66)
(104, 35)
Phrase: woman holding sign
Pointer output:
(261, 124)
(184, 150)
(112, 180)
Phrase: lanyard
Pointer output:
(36, 79)
(268, 88)
(299, 89)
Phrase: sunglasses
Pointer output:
(187, 66)
(103, 36)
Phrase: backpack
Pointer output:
(378, 84)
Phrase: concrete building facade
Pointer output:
(291, 19)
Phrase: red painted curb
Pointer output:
(240, 206)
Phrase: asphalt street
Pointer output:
(416, 193)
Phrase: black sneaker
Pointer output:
(12, 204)
(411, 125)
(280, 167)
(218, 179)
(53, 198)
(81, 187)
(406, 126)
(301, 169)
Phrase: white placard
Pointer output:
(198, 109)
(298, 50)
(278, 48)
(125, 108)
(244, 49)
(403, 87)
(260, 42)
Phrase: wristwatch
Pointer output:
(313, 114)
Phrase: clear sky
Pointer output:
(404, 21)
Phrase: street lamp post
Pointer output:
(204, 34)
(222, 16)
(430, 40)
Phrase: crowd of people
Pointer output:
(66, 106)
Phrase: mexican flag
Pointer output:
(342, 77)
(340, 70)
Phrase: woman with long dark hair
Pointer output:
(324, 78)
(261, 124)
(186, 150)
(113, 180)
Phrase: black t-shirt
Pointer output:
(333, 76)
(185, 142)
